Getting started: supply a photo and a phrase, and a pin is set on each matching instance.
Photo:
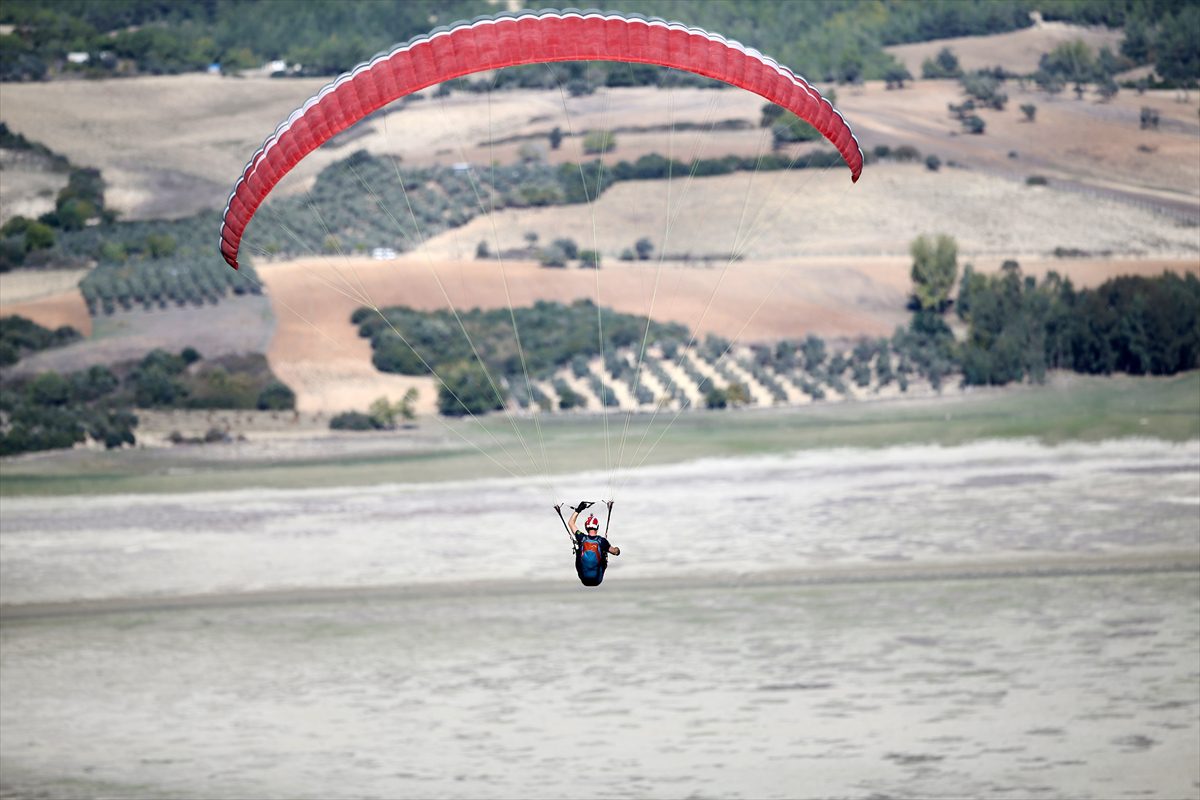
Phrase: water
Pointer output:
(1082, 683)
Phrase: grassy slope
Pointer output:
(1070, 409)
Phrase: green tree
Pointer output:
(465, 389)
(934, 271)
(896, 75)
(276, 396)
(596, 142)
(715, 398)
(408, 404)
(38, 236)
(49, 389)
(944, 65)
(1177, 58)
(1070, 61)
(737, 394)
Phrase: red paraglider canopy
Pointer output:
(507, 40)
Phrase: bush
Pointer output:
(1036, 180)
(568, 398)
(352, 421)
(38, 236)
(945, 65)
(715, 398)
(552, 256)
(596, 142)
(466, 389)
(276, 397)
(568, 247)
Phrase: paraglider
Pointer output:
(591, 548)
(506, 40)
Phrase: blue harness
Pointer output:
(590, 560)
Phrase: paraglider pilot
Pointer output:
(591, 549)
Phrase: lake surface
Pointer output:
(792, 626)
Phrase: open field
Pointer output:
(1069, 408)
(48, 297)
(29, 188)
(237, 325)
(1017, 51)
(792, 215)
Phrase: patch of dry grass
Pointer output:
(1017, 51)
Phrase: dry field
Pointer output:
(1017, 51)
(237, 325)
(48, 297)
(28, 189)
(167, 146)
(790, 215)
(1096, 146)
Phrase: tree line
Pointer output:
(20, 337)
(1018, 327)
(830, 40)
(479, 369)
(53, 410)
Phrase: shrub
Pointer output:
(596, 142)
(715, 398)
(276, 397)
(974, 124)
(352, 421)
(568, 247)
(466, 389)
(552, 256)
(38, 236)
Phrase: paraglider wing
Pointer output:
(506, 40)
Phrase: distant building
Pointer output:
(383, 254)
(78, 57)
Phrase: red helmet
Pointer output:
(592, 524)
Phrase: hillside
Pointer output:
(1016, 52)
(818, 255)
